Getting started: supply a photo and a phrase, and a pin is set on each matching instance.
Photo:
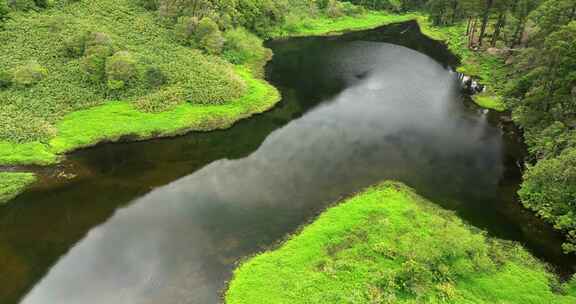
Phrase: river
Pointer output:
(166, 221)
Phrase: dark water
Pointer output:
(164, 221)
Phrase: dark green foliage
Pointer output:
(549, 188)
(4, 12)
(6, 79)
(150, 4)
(22, 5)
(185, 30)
(155, 77)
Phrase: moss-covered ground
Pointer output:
(389, 245)
(11, 184)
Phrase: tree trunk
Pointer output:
(499, 25)
(485, 19)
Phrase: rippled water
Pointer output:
(165, 221)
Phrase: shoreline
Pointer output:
(388, 242)
(118, 121)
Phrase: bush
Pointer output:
(4, 11)
(98, 39)
(94, 62)
(212, 43)
(75, 46)
(155, 77)
(334, 9)
(22, 5)
(121, 68)
(185, 29)
(150, 4)
(241, 46)
(29, 74)
(350, 9)
(5, 79)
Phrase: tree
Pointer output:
(29, 74)
(549, 188)
(4, 11)
(121, 68)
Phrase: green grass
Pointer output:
(325, 26)
(388, 245)
(30, 114)
(11, 184)
(114, 120)
(487, 68)
(488, 101)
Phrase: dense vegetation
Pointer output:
(388, 245)
(525, 51)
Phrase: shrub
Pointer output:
(350, 9)
(206, 27)
(5, 79)
(22, 5)
(121, 68)
(94, 62)
(150, 4)
(212, 43)
(209, 37)
(155, 77)
(334, 9)
(241, 46)
(185, 29)
(29, 74)
(75, 46)
(162, 100)
(4, 11)
(98, 39)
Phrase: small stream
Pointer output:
(165, 221)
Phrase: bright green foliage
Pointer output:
(76, 63)
(111, 121)
(11, 184)
(489, 102)
(29, 74)
(549, 188)
(388, 245)
(121, 69)
(242, 47)
(329, 26)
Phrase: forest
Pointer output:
(76, 73)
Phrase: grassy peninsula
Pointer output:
(389, 245)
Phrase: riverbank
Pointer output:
(488, 69)
(121, 120)
(389, 245)
(11, 184)
(116, 120)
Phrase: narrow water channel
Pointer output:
(165, 221)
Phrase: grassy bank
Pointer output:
(388, 245)
(325, 26)
(114, 120)
(489, 69)
(11, 184)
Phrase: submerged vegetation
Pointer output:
(388, 245)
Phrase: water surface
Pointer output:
(165, 221)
